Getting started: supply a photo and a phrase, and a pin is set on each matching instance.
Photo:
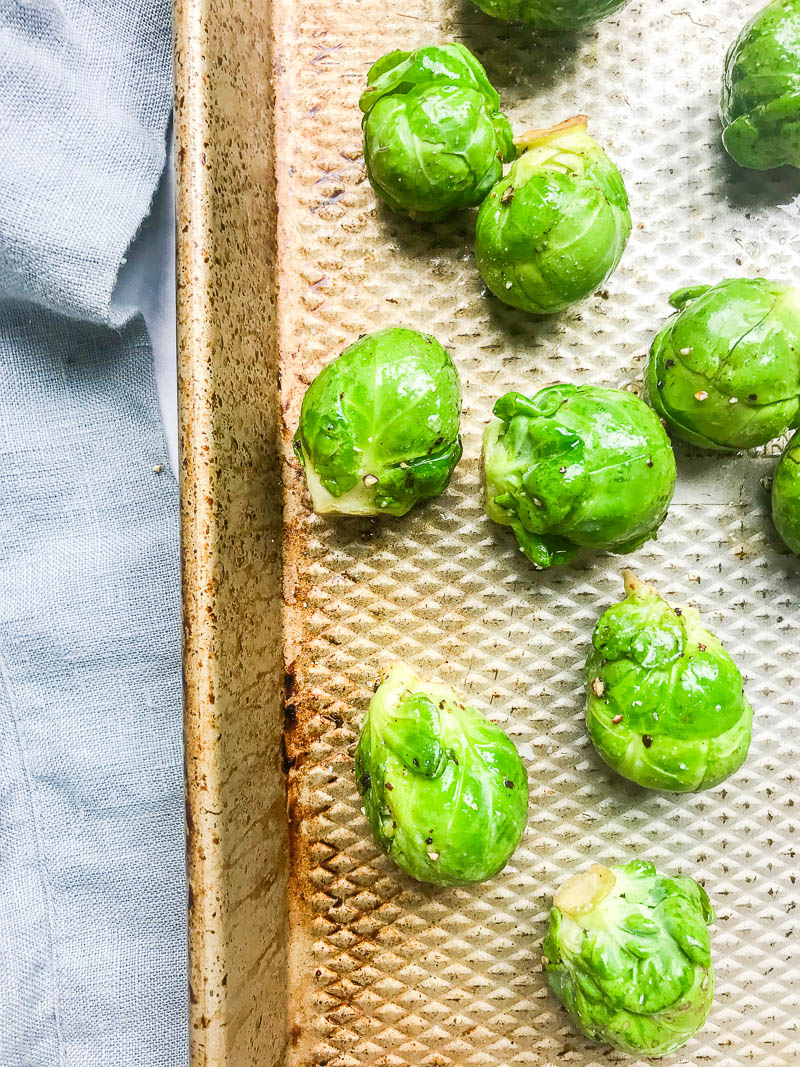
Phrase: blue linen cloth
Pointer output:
(92, 882)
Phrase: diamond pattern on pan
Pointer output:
(386, 971)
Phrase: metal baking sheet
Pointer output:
(384, 972)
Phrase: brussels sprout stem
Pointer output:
(388, 669)
(634, 586)
(584, 891)
(537, 137)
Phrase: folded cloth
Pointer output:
(92, 884)
(85, 96)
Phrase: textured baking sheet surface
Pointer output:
(385, 971)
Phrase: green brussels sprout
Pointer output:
(435, 139)
(444, 789)
(551, 14)
(554, 228)
(577, 467)
(786, 495)
(760, 103)
(665, 707)
(724, 373)
(379, 425)
(628, 954)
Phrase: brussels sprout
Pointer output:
(435, 139)
(577, 467)
(725, 372)
(551, 14)
(379, 425)
(786, 495)
(665, 706)
(556, 226)
(627, 953)
(760, 104)
(444, 789)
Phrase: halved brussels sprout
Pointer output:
(379, 425)
(444, 789)
(435, 139)
(577, 467)
(760, 104)
(551, 14)
(786, 495)
(554, 228)
(628, 954)
(725, 371)
(665, 707)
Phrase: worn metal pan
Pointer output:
(306, 946)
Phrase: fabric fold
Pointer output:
(85, 97)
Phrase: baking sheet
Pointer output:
(384, 971)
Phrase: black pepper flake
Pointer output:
(389, 786)
(617, 719)
(660, 385)
(508, 783)
(428, 840)
(753, 396)
(701, 648)
(562, 470)
(366, 782)
(647, 740)
(669, 364)
(649, 463)
(678, 612)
